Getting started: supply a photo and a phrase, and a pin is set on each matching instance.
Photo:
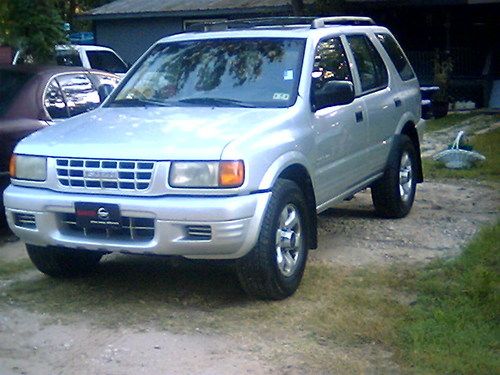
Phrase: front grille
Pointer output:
(199, 232)
(132, 229)
(24, 220)
(105, 174)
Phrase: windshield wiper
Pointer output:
(135, 102)
(217, 102)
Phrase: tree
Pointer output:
(34, 27)
(70, 8)
(298, 7)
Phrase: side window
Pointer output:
(107, 61)
(80, 95)
(104, 79)
(330, 62)
(54, 101)
(397, 56)
(371, 68)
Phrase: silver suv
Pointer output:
(225, 144)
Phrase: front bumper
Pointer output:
(234, 222)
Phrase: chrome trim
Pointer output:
(99, 174)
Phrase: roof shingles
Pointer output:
(173, 6)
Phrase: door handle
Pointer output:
(359, 116)
(397, 102)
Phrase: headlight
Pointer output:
(225, 174)
(24, 167)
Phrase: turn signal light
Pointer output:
(231, 173)
(12, 166)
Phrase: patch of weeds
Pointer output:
(453, 328)
(11, 268)
(486, 144)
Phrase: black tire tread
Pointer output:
(385, 191)
(255, 273)
(61, 262)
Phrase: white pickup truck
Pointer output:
(87, 56)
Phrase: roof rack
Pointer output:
(250, 22)
(315, 22)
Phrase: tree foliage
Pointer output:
(68, 9)
(32, 26)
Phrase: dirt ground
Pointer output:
(445, 216)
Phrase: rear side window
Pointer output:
(107, 61)
(371, 68)
(397, 56)
(54, 102)
(68, 58)
(81, 96)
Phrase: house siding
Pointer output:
(132, 37)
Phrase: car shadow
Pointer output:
(359, 212)
(131, 290)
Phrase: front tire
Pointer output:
(393, 194)
(273, 269)
(63, 263)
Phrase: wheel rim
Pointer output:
(405, 177)
(289, 241)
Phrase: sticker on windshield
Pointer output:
(288, 75)
(281, 96)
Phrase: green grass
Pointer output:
(447, 121)
(454, 326)
(488, 145)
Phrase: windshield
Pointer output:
(227, 73)
(107, 61)
(10, 85)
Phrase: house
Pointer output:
(466, 30)
(131, 26)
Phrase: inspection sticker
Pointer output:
(288, 75)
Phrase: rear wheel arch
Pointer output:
(410, 130)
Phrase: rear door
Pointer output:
(381, 103)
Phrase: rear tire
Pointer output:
(61, 262)
(394, 193)
(273, 269)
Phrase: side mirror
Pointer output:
(104, 91)
(332, 93)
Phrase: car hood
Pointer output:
(151, 133)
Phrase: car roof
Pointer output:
(48, 69)
(277, 27)
(63, 47)
(288, 31)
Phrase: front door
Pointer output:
(340, 130)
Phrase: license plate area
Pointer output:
(98, 215)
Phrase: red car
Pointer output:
(32, 97)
